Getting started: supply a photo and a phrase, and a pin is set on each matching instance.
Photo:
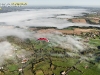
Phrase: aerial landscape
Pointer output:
(49, 40)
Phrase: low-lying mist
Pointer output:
(18, 32)
(6, 51)
(57, 39)
(41, 17)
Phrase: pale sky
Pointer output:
(58, 2)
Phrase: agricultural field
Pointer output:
(42, 58)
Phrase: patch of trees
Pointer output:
(38, 28)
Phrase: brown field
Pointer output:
(76, 31)
(78, 20)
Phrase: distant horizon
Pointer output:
(63, 5)
(58, 6)
(85, 3)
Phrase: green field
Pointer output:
(49, 60)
